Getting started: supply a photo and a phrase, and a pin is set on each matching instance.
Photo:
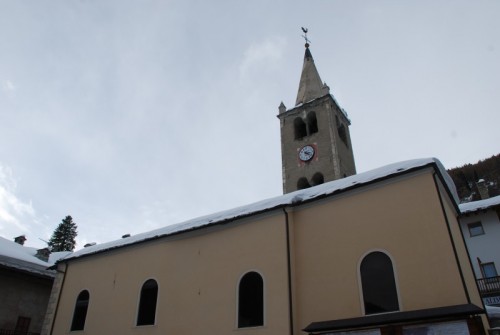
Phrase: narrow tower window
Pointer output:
(379, 286)
(251, 301)
(147, 303)
(317, 179)
(302, 183)
(341, 131)
(300, 128)
(312, 123)
(80, 313)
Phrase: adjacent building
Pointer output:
(25, 286)
(480, 225)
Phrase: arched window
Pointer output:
(251, 301)
(302, 183)
(312, 123)
(300, 128)
(317, 179)
(147, 303)
(379, 286)
(341, 130)
(80, 313)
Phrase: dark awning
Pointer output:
(393, 318)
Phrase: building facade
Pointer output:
(25, 287)
(480, 226)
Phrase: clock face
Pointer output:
(306, 153)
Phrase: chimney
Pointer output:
(20, 239)
(43, 254)
(483, 189)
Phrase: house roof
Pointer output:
(291, 199)
(21, 258)
(475, 206)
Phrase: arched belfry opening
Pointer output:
(302, 183)
(317, 179)
(342, 132)
(312, 123)
(300, 128)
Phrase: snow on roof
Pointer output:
(290, 199)
(475, 206)
(23, 258)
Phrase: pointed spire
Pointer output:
(310, 86)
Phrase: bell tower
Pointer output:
(315, 141)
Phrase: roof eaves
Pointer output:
(26, 269)
(293, 202)
(480, 205)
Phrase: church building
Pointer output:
(380, 252)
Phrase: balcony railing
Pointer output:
(489, 285)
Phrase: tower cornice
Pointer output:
(313, 103)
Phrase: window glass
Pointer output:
(251, 301)
(147, 303)
(80, 313)
(489, 270)
(378, 284)
(475, 229)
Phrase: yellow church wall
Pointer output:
(197, 275)
(198, 272)
(401, 217)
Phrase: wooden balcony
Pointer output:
(489, 286)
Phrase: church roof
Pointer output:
(290, 199)
(310, 85)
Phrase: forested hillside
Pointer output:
(465, 178)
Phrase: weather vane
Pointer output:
(305, 30)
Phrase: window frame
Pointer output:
(263, 302)
(139, 320)
(491, 266)
(473, 226)
(75, 323)
(395, 278)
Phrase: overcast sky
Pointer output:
(132, 115)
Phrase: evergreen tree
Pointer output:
(63, 238)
